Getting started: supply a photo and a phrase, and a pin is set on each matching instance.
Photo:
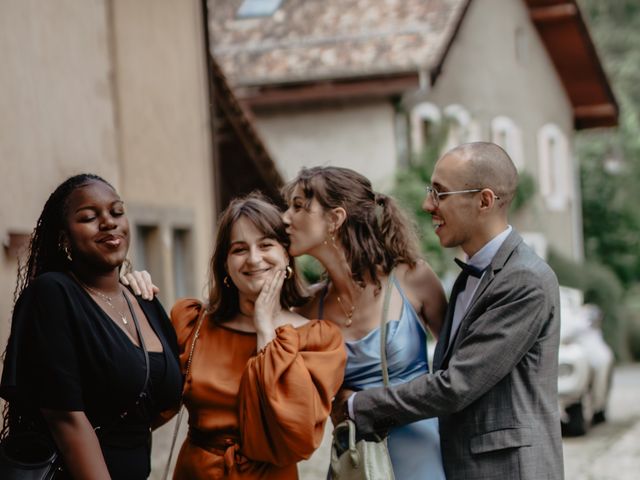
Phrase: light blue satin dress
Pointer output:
(414, 448)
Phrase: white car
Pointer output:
(585, 364)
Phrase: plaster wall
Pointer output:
(358, 136)
(167, 170)
(56, 113)
(117, 88)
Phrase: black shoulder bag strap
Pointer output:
(143, 392)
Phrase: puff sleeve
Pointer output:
(184, 317)
(286, 392)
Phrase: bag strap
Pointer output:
(176, 429)
(383, 330)
(143, 345)
(143, 391)
(193, 342)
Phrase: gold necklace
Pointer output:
(109, 301)
(348, 314)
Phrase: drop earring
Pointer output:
(67, 253)
(289, 272)
(330, 236)
(226, 281)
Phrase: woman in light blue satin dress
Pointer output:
(361, 238)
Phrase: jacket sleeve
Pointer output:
(286, 392)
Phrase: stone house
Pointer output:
(360, 83)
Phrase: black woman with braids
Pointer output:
(75, 361)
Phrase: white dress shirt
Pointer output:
(480, 260)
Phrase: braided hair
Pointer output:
(45, 254)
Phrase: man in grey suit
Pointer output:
(494, 380)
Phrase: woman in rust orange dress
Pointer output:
(261, 378)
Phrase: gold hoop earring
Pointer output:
(289, 272)
(226, 281)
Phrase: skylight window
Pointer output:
(258, 8)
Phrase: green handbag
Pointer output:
(363, 460)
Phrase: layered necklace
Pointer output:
(109, 301)
(347, 313)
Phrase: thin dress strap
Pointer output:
(408, 306)
(325, 290)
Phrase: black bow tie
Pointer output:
(470, 269)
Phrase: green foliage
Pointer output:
(310, 268)
(600, 287)
(409, 190)
(410, 193)
(611, 217)
(524, 193)
(633, 324)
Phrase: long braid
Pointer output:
(44, 253)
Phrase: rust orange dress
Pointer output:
(253, 416)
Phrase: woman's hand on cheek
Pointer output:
(267, 308)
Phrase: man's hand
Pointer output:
(339, 407)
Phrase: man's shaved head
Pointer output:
(488, 166)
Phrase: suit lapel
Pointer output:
(501, 257)
(443, 340)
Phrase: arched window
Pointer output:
(555, 178)
(506, 133)
(459, 122)
(425, 117)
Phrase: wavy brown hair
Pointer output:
(376, 232)
(223, 299)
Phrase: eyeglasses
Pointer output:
(435, 194)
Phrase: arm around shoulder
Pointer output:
(510, 322)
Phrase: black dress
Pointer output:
(65, 353)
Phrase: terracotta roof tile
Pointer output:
(315, 39)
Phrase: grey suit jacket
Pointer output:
(496, 396)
